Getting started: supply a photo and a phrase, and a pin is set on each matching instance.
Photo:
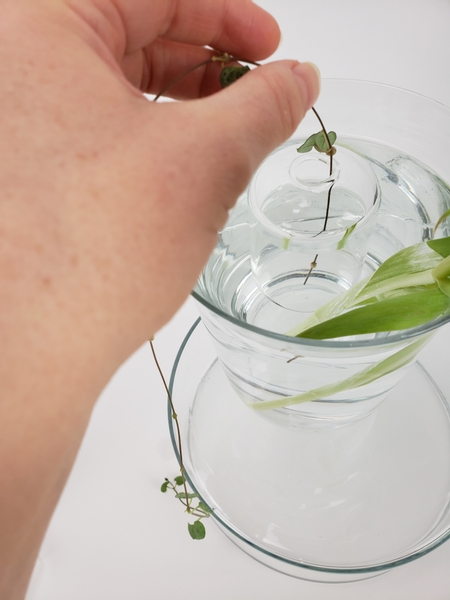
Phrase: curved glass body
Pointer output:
(389, 132)
(330, 490)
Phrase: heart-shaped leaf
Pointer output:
(308, 145)
(197, 530)
(229, 75)
(321, 142)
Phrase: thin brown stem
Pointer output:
(313, 266)
(330, 146)
(327, 211)
(177, 79)
(177, 425)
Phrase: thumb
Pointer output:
(256, 114)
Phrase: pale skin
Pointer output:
(110, 206)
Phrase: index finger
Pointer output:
(238, 27)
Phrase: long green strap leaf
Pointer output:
(408, 261)
(364, 377)
(393, 314)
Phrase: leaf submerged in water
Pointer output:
(409, 289)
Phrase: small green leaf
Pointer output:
(321, 142)
(415, 307)
(442, 218)
(179, 480)
(197, 530)
(308, 145)
(202, 506)
(164, 486)
(343, 241)
(229, 75)
(318, 141)
(183, 496)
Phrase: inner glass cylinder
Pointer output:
(311, 217)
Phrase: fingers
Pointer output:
(236, 26)
(168, 65)
(246, 121)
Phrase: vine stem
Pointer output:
(327, 211)
(177, 426)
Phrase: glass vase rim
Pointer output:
(383, 85)
(403, 335)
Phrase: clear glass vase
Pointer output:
(346, 476)
(252, 292)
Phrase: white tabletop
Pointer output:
(114, 536)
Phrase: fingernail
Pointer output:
(308, 77)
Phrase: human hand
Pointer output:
(124, 198)
(110, 207)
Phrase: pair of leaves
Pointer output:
(179, 480)
(319, 142)
(409, 289)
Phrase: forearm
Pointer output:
(109, 208)
(49, 386)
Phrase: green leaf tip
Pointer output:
(344, 239)
(442, 218)
(164, 486)
(197, 530)
(179, 480)
(229, 75)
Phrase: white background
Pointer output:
(114, 536)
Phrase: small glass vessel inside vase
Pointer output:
(311, 218)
